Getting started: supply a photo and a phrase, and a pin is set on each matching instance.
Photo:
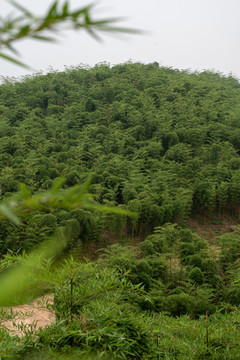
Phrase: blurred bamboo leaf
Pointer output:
(15, 283)
(15, 61)
(7, 212)
(25, 192)
(28, 25)
(22, 9)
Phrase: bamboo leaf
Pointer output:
(43, 38)
(79, 12)
(7, 212)
(65, 9)
(94, 35)
(23, 31)
(25, 192)
(12, 49)
(57, 185)
(22, 9)
(52, 11)
(15, 61)
(17, 280)
(15, 28)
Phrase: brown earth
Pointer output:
(29, 317)
(209, 229)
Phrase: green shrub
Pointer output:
(209, 268)
(179, 304)
(141, 273)
(119, 257)
(203, 297)
(89, 302)
(200, 244)
(230, 245)
(196, 275)
(153, 244)
(186, 236)
(186, 250)
(169, 232)
(233, 294)
(158, 267)
(195, 261)
(146, 248)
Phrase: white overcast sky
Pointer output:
(183, 34)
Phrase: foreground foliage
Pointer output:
(58, 18)
(94, 319)
(139, 303)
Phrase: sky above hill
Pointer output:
(183, 34)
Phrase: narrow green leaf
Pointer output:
(25, 192)
(57, 185)
(22, 9)
(115, 29)
(12, 49)
(79, 12)
(7, 212)
(78, 192)
(65, 9)
(85, 186)
(94, 35)
(43, 38)
(23, 31)
(15, 61)
(52, 11)
(19, 278)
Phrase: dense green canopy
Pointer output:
(162, 142)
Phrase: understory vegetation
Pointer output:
(161, 147)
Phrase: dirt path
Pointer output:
(30, 316)
(208, 230)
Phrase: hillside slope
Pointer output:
(162, 142)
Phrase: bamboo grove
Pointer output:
(157, 141)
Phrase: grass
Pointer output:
(168, 338)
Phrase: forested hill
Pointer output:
(162, 142)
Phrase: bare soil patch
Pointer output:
(211, 228)
(37, 314)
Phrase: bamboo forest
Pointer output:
(120, 199)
